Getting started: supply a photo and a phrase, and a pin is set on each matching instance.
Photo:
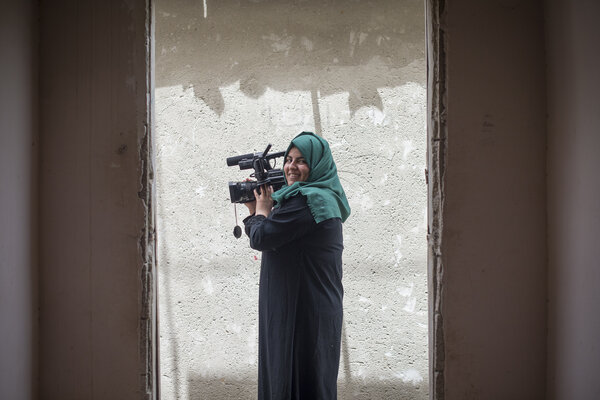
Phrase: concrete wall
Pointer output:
(238, 75)
(573, 206)
(93, 97)
(18, 201)
(494, 217)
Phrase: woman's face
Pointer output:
(295, 167)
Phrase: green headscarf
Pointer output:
(323, 190)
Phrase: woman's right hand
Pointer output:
(264, 202)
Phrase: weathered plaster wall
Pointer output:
(494, 217)
(573, 205)
(231, 78)
(93, 95)
(18, 201)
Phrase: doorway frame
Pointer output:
(436, 165)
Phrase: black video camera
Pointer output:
(264, 173)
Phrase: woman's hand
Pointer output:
(251, 206)
(264, 202)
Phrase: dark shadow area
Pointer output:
(231, 389)
(295, 45)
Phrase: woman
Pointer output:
(300, 295)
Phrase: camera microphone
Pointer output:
(235, 160)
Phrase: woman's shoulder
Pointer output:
(296, 201)
(296, 208)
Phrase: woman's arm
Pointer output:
(292, 220)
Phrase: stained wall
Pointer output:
(494, 211)
(232, 77)
(93, 119)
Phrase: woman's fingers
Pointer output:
(265, 192)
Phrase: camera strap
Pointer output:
(237, 231)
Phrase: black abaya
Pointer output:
(300, 302)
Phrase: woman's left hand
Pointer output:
(264, 202)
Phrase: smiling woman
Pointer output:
(295, 168)
(301, 292)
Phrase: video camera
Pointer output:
(264, 173)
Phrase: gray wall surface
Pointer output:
(231, 78)
(494, 217)
(573, 200)
(18, 201)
